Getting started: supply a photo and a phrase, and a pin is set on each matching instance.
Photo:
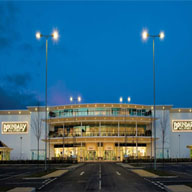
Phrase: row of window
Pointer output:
(99, 112)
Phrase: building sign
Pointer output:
(17, 127)
(182, 125)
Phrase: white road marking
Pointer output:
(82, 173)
(118, 173)
(12, 176)
(99, 184)
(99, 177)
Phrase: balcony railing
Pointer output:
(97, 134)
(121, 112)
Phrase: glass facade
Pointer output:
(99, 112)
(97, 130)
(109, 139)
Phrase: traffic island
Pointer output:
(178, 188)
(57, 173)
(23, 189)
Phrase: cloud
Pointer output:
(15, 94)
(18, 80)
(59, 94)
(12, 99)
(8, 32)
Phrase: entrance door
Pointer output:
(109, 155)
(91, 155)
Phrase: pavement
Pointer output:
(57, 173)
(178, 188)
(23, 189)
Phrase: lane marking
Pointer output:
(82, 173)
(13, 176)
(99, 177)
(118, 173)
(99, 184)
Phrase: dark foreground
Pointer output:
(101, 177)
(93, 177)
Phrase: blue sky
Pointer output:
(100, 54)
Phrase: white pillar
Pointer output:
(118, 143)
(63, 140)
(81, 158)
(136, 141)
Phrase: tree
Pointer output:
(36, 124)
(163, 125)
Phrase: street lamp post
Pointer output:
(179, 144)
(21, 148)
(78, 99)
(161, 35)
(121, 101)
(55, 36)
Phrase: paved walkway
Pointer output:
(178, 188)
(144, 173)
(57, 173)
(22, 189)
(126, 165)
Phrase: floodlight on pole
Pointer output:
(38, 35)
(129, 99)
(79, 99)
(161, 35)
(71, 99)
(55, 36)
(144, 35)
(121, 99)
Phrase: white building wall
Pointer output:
(181, 141)
(21, 147)
(33, 141)
(163, 119)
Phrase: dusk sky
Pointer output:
(100, 54)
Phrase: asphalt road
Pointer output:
(102, 177)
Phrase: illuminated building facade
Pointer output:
(94, 132)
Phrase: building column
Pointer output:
(136, 141)
(100, 140)
(119, 156)
(63, 140)
(81, 157)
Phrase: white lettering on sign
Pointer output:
(14, 127)
(182, 125)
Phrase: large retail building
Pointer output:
(93, 132)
